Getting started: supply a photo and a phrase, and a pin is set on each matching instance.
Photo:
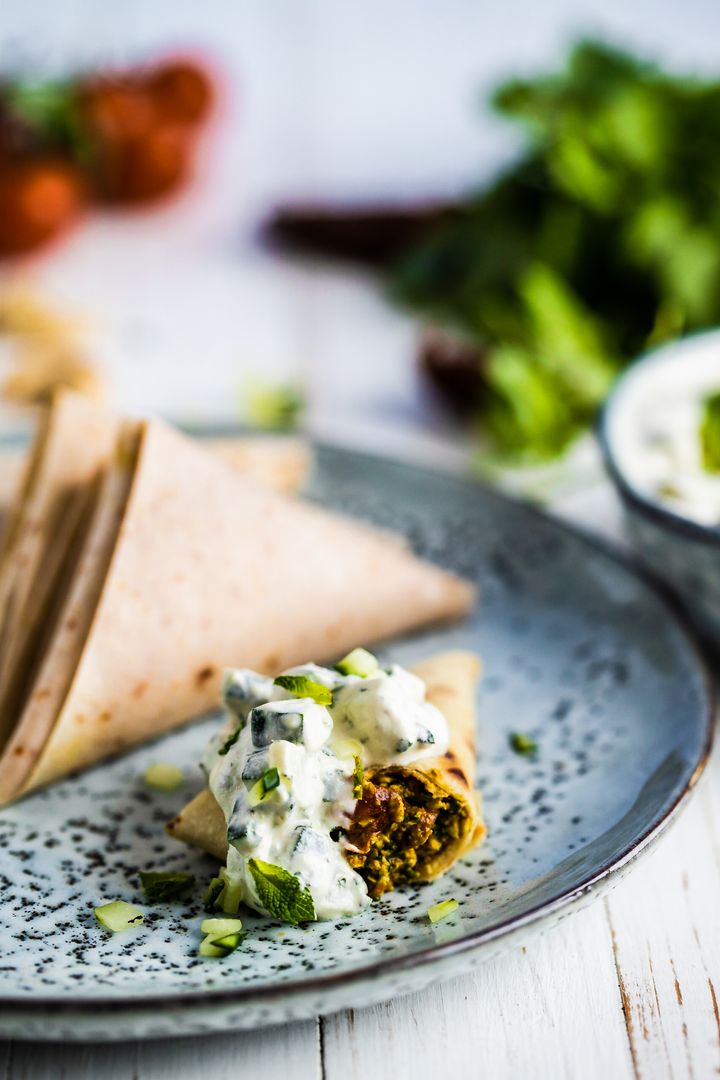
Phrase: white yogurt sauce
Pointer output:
(654, 428)
(383, 719)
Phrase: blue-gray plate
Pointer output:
(580, 652)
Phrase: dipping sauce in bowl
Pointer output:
(660, 436)
(659, 428)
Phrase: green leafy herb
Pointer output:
(358, 662)
(600, 241)
(710, 432)
(160, 886)
(303, 687)
(281, 894)
(522, 744)
(230, 742)
(358, 777)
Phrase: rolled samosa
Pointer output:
(411, 820)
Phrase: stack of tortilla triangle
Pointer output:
(153, 565)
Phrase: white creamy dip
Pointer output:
(382, 719)
(654, 428)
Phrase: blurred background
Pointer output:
(270, 213)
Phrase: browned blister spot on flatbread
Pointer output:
(19, 750)
(104, 717)
(205, 673)
(139, 689)
(459, 774)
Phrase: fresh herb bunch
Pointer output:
(601, 241)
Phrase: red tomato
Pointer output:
(181, 90)
(39, 200)
(156, 164)
(137, 153)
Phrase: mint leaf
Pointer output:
(301, 686)
(280, 893)
(710, 432)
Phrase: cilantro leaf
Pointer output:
(280, 893)
(302, 686)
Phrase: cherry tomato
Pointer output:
(156, 164)
(39, 200)
(181, 90)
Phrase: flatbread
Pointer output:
(73, 445)
(208, 570)
(450, 679)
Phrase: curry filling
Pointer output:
(400, 825)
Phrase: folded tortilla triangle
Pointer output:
(450, 679)
(74, 443)
(189, 567)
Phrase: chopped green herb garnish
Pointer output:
(118, 915)
(160, 886)
(358, 777)
(270, 779)
(710, 432)
(442, 910)
(522, 744)
(303, 687)
(230, 742)
(164, 777)
(281, 894)
(358, 662)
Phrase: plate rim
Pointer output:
(329, 981)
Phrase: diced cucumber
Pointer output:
(256, 765)
(222, 945)
(220, 927)
(359, 662)
(164, 777)
(118, 915)
(268, 724)
(208, 949)
(308, 840)
(231, 896)
(442, 910)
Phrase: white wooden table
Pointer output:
(631, 986)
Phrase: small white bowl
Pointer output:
(681, 550)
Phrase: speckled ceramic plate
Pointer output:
(580, 653)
